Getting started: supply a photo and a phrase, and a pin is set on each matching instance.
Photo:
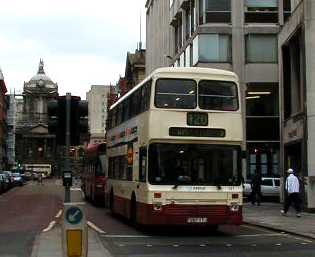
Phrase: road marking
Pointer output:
(96, 228)
(299, 238)
(50, 226)
(228, 245)
(125, 236)
(75, 189)
(58, 214)
(258, 235)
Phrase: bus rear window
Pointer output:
(218, 95)
(175, 93)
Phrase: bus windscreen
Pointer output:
(194, 164)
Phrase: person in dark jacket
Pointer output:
(256, 188)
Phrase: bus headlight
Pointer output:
(234, 207)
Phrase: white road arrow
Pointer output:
(72, 217)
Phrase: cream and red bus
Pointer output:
(174, 145)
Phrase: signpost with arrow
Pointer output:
(75, 238)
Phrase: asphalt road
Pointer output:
(25, 212)
(123, 240)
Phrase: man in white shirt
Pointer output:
(292, 187)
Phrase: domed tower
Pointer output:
(36, 147)
(36, 93)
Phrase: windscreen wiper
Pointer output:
(175, 186)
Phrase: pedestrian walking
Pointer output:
(292, 187)
(40, 178)
(256, 188)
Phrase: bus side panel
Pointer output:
(122, 206)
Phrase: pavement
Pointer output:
(267, 215)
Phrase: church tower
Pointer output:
(35, 147)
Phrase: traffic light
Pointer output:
(79, 119)
(57, 119)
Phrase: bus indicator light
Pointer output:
(130, 155)
(157, 195)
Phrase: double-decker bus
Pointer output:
(37, 168)
(174, 147)
(94, 173)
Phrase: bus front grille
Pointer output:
(198, 210)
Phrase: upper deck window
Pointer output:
(176, 93)
(218, 95)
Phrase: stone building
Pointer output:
(3, 123)
(134, 73)
(236, 35)
(297, 66)
(34, 144)
(97, 102)
(135, 68)
(11, 131)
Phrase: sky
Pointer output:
(82, 42)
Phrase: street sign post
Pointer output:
(75, 232)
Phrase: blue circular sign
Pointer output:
(74, 215)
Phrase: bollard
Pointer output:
(74, 232)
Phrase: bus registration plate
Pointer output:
(197, 220)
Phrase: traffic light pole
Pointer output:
(67, 146)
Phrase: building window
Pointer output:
(215, 11)
(286, 9)
(261, 48)
(262, 112)
(171, 3)
(178, 30)
(191, 55)
(192, 16)
(264, 158)
(292, 73)
(261, 11)
(182, 60)
(214, 48)
(187, 57)
(262, 99)
(187, 20)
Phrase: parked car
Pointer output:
(270, 187)
(5, 184)
(17, 179)
(2, 183)
(8, 174)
